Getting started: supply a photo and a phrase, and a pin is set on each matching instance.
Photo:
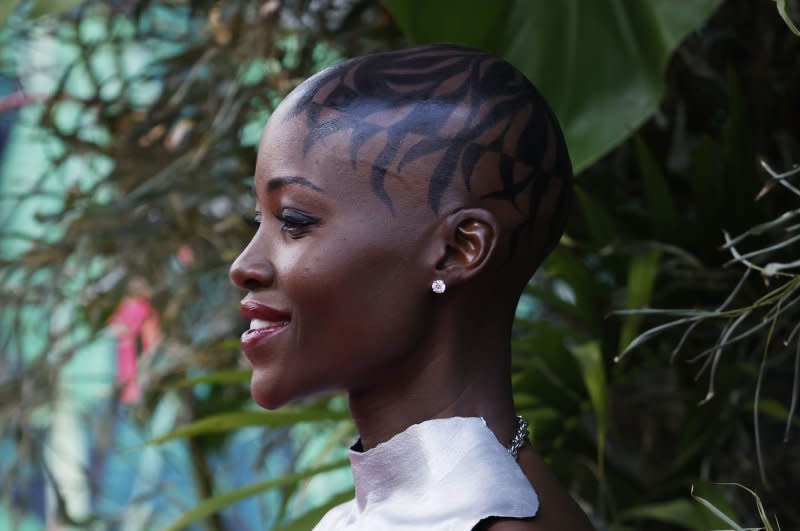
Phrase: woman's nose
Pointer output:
(252, 270)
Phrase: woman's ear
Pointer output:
(468, 242)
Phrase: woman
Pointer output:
(404, 200)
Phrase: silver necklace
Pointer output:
(519, 438)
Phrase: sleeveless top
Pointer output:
(439, 475)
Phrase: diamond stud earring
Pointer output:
(438, 286)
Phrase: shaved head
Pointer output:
(487, 137)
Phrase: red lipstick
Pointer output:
(265, 322)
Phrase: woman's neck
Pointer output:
(466, 378)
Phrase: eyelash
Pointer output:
(294, 222)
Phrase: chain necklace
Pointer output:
(519, 438)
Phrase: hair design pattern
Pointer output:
(506, 119)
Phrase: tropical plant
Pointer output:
(769, 316)
(149, 114)
(170, 142)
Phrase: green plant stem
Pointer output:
(204, 482)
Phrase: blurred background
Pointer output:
(657, 352)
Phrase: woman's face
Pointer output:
(337, 285)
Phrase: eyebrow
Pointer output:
(279, 182)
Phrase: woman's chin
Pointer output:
(266, 393)
(267, 401)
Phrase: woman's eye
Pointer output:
(296, 223)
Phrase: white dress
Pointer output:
(439, 475)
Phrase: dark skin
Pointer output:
(351, 265)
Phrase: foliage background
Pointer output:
(165, 148)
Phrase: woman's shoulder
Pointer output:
(508, 524)
(530, 524)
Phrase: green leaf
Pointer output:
(760, 506)
(209, 506)
(590, 358)
(785, 16)
(484, 19)
(309, 519)
(598, 221)
(7, 7)
(774, 409)
(705, 189)
(693, 441)
(42, 8)
(660, 205)
(231, 421)
(588, 291)
(219, 377)
(679, 512)
(641, 278)
(717, 512)
(600, 64)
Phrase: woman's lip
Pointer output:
(255, 310)
(254, 336)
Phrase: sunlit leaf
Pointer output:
(590, 358)
(212, 505)
(227, 422)
(641, 278)
(600, 64)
